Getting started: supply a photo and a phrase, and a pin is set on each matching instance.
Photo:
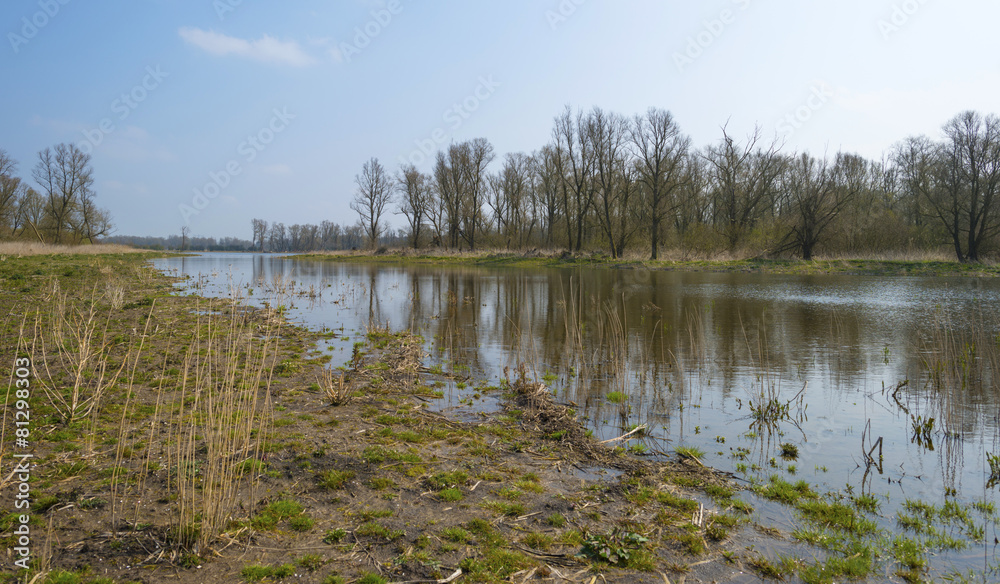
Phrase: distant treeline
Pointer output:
(326, 236)
(614, 183)
(177, 242)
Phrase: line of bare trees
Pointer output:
(613, 183)
(326, 236)
(62, 209)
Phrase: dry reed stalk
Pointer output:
(126, 415)
(227, 372)
(334, 386)
(76, 339)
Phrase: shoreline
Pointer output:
(856, 267)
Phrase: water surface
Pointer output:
(691, 351)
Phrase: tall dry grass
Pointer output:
(217, 432)
(75, 368)
(212, 414)
(28, 248)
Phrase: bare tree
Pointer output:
(958, 179)
(575, 158)
(259, 229)
(614, 178)
(744, 177)
(479, 155)
(30, 213)
(448, 184)
(373, 195)
(415, 199)
(549, 181)
(819, 192)
(970, 180)
(12, 189)
(511, 199)
(91, 222)
(185, 233)
(65, 175)
(277, 240)
(662, 151)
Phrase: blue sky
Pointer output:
(269, 109)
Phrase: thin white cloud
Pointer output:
(330, 47)
(266, 49)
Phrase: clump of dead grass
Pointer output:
(335, 387)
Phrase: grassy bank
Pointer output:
(854, 266)
(187, 439)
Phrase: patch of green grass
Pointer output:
(371, 578)
(556, 520)
(768, 569)
(504, 508)
(692, 543)
(532, 486)
(334, 536)
(538, 541)
(616, 397)
(369, 514)
(456, 535)
(778, 489)
(910, 554)
(719, 492)
(258, 572)
(495, 564)
(789, 451)
(382, 483)
(379, 454)
(836, 515)
(301, 523)
(335, 479)
(866, 503)
(689, 452)
(450, 495)
(856, 562)
(376, 530)
(62, 577)
(443, 480)
(675, 502)
(510, 494)
(275, 512)
(311, 562)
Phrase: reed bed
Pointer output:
(211, 411)
(27, 248)
(960, 366)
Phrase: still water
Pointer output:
(693, 353)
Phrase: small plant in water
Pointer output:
(689, 452)
(789, 451)
(617, 397)
(614, 548)
(994, 462)
(923, 430)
